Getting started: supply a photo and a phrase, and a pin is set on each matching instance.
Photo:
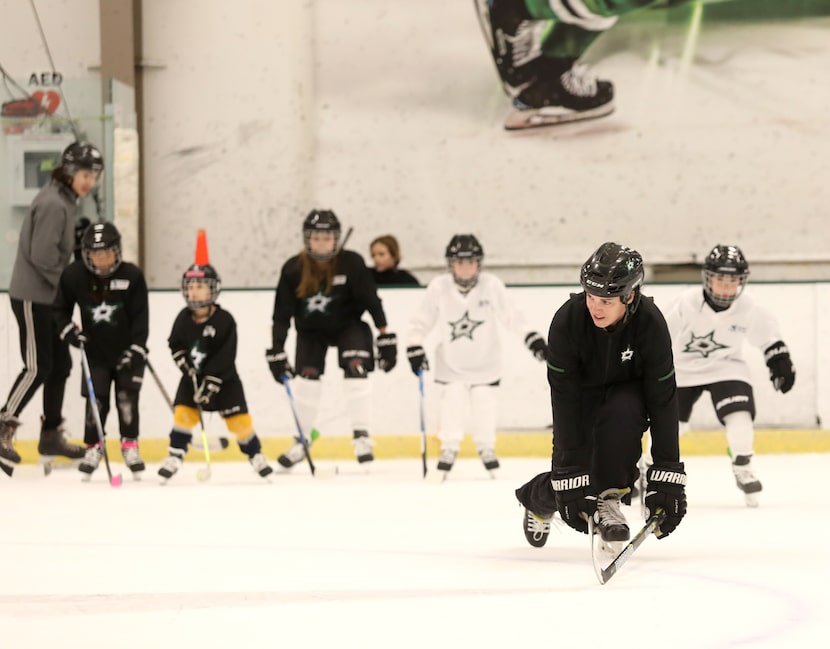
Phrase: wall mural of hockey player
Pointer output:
(536, 46)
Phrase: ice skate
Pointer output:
(293, 455)
(573, 96)
(491, 462)
(444, 466)
(363, 446)
(536, 528)
(171, 464)
(9, 457)
(746, 480)
(129, 450)
(55, 443)
(610, 521)
(92, 458)
(261, 465)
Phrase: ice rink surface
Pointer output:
(385, 560)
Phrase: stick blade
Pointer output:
(115, 481)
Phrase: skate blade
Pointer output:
(136, 475)
(519, 120)
(752, 500)
(437, 477)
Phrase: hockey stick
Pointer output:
(300, 434)
(202, 474)
(605, 574)
(215, 443)
(344, 240)
(115, 480)
(423, 423)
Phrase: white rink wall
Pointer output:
(524, 397)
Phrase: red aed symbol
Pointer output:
(49, 99)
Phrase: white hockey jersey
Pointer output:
(707, 344)
(469, 349)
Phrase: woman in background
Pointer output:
(386, 253)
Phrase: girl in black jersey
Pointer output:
(203, 343)
(326, 290)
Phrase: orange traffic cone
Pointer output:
(202, 258)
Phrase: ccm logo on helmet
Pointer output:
(591, 282)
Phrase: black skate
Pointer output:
(610, 521)
(572, 96)
(491, 462)
(9, 457)
(129, 451)
(363, 446)
(293, 455)
(536, 528)
(746, 480)
(171, 464)
(261, 465)
(55, 443)
(444, 466)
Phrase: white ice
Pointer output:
(385, 560)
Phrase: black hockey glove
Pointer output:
(781, 371)
(72, 335)
(132, 360)
(417, 358)
(536, 344)
(278, 363)
(576, 498)
(666, 490)
(207, 391)
(182, 360)
(387, 351)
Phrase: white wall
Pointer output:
(524, 396)
(390, 113)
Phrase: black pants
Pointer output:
(46, 363)
(615, 448)
(126, 402)
(354, 346)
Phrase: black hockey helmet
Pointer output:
(725, 260)
(614, 271)
(464, 246)
(201, 274)
(81, 155)
(321, 221)
(97, 237)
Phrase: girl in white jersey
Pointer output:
(708, 329)
(466, 305)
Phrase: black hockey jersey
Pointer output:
(585, 360)
(210, 345)
(353, 292)
(114, 310)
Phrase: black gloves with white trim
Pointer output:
(537, 345)
(666, 490)
(387, 351)
(576, 498)
(781, 371)
(278, 363)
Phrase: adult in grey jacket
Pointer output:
(45, 247)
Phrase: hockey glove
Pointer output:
(576, 499)
(417, 358)
(132, 359)
(207, 391)
(781, 371)
(182, 360)
(387, 351)
(72, 335)
(278, 363)
(666, 490)
(536, 344)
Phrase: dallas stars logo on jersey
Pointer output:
(464, 327)
(103, 313)
(703, 345)
(317, 303)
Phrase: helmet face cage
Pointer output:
(82, 155)
(101, 236)
(321, 221)
(464, 246)
(613, 271)
(197, 274)
(726, 261)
